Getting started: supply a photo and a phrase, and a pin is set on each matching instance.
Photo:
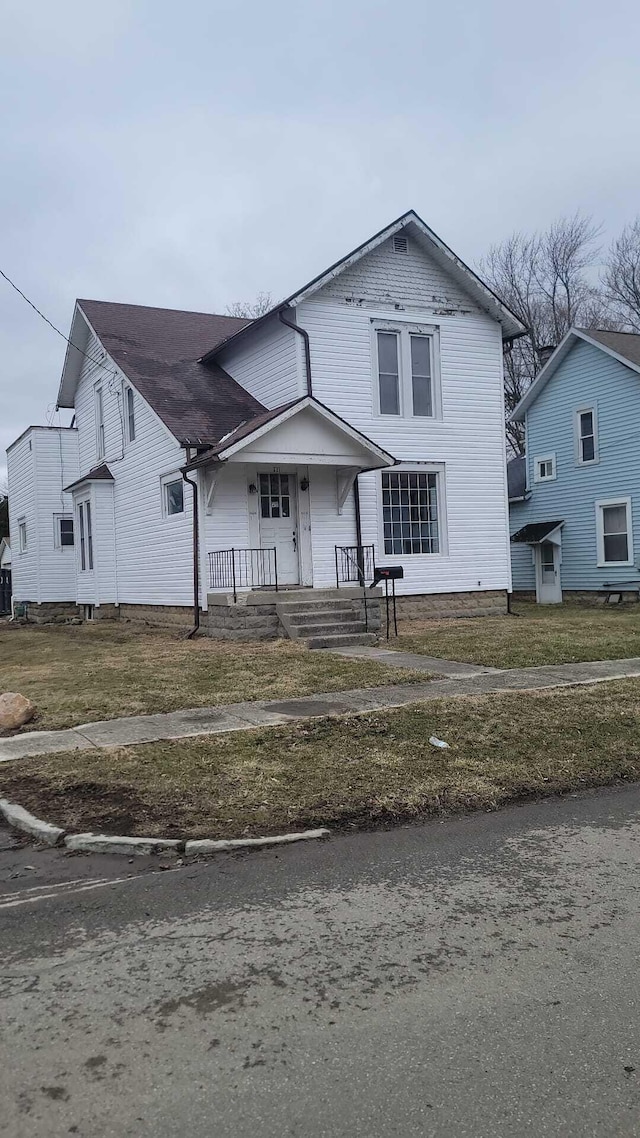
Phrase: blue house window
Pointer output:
(586, 435)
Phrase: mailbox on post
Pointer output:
(388, 573)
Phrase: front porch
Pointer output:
(321, 618)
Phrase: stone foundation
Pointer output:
(160, 616)
(50, 612)
(590, 598)
(242, 621)
(438, 606)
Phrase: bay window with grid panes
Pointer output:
(407, 371)
(411, 512)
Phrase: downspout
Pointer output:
(356, 504)
(307, 349)
(196, 556)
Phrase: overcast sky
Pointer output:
(191, 154)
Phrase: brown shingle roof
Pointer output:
(96, 474)
(624, 343)
(158, 350)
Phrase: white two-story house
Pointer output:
(356, 425)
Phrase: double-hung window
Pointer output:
(63, 530)
(99, 422)
(406, 367)
(586, 436)
(411, 512)
(614, 531)
(130, 414)
(22, 535)
(85, 531)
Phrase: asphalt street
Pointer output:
(477, 976)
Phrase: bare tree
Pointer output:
(251, 310)
(621, 276)
(544, 278)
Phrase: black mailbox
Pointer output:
(388, 573)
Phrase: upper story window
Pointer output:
(613, 530)
(172, 495)
(130, 414)
(411, 512)
(85, 529)
(100, 422)
(586, 435)
(63, 530)
(406, 368)
(544, 469)
(22, 535)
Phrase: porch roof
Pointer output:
(303, 431)
(536, 532)
(96, 474)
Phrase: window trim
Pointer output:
(537, 477)
(437, 468)
(167, 480)
(580, 461)
(57, 533)
(100, 423)
(85, 536)
(404, 330)
(129, 414)
(600, 505)
(23, 546)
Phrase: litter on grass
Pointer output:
(435, 742)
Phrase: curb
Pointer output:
(21, 819)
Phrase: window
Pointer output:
(99, 422)
(172, 496)
(63, 530)
(86, 535)
(613, 528)
(129, 409)
(586, 431)
(544, 469)
(405, 363)
(22, 536)
(275, 496)
(410, 513)
(388, 373)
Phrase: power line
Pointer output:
(51, 325)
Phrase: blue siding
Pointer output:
(587, 377)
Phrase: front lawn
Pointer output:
(358, 770)
(536, 634)
(75, 674)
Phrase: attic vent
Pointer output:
(400, 245)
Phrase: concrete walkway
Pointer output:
(414, 660)
(271, 713)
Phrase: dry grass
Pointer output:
(363, 770)
(562, 634)
(93, 671)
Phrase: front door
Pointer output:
(278, 516)
(548, 583)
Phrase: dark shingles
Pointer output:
(535, 532)
(96, 474)
(158, 350)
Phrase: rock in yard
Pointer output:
(15, 710)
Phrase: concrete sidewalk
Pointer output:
(271, 713)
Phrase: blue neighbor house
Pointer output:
(574, 497)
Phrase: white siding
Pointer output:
(328, 527)
(268, 363)
(468, 440)
(39, 466)
(412, 280)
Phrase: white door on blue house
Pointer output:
(278, 514)
(548, 582)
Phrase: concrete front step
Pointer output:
(330, 628)
(323, 616)
(308, 606)
(342, 640)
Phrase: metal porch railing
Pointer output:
(243, 569)
(356, 565)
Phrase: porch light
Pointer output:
(304, 483)
(253, 489)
